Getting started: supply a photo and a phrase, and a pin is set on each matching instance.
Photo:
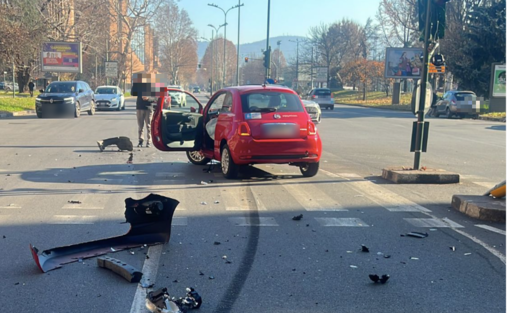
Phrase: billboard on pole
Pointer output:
(499, 81)
(63, 57)
(403, 63)
(111, 68)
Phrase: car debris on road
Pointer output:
(159, 301)
(151, 224)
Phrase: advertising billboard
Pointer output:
(63, 57)
(403, 63)
(499, 81)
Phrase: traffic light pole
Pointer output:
(268, 68)
(423, 91)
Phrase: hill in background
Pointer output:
(249, 49)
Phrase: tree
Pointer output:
(398, 21)
(278, 64)
(23, 31)
(177, 44)
(363, 72)
(475, 37)
(131, 16)
(215, 50)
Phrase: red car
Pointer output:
(239, 126)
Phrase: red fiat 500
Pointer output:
(239, 126)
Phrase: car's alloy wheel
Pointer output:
(123, 105)
(197, 157)
(92, 109)
(309, 169)
(77, 109)
(228, 167)
(119, 107)
(319, 120)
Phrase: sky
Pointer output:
(287, 17)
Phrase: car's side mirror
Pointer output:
(193, 110)
(80, 90)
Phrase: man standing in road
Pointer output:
(143, 90)
(31, 86)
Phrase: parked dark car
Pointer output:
(65, 97)
(458, 103)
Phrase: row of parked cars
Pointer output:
(74, 97)
(9, 86)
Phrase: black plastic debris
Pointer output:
(364, 248)
(297, 217)
(217, 243)
(122, 143)
(151, 224)
(127, 271)
(375, 278)
(130, 159)
(452, 248)
(160, 301)
(74, 202)
(417, 234)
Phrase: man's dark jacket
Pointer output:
(136, 90)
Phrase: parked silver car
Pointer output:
(109, 98)
(322, 96)
(458, 103)
(314, 110)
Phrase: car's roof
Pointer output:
(107, 87)
(249, 88)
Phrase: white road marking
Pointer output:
(77, 206)
(105, 180)
(260, 221)
(73, 219)
(179, 221)
(149, 270)
(349, 175)
(394, 201)
(345, 222)
(387, 199)
(312, 198)
(170, 174)
(432, 222)
(493, 229)
(237, 199)
(10, 206)
(485, 184)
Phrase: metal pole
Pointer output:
(96, 70)
(13, 79)
(311, 69)
(224, 50)
(212, 61)
(238, 34)
(107, 48)
(297, 64)
(268, 70)
(423, 91)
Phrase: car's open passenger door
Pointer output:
(177, 129)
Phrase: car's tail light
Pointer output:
(311, 128)
(244, 129)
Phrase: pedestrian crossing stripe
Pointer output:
(433, 222)
(253, 221)
(345, 222)
(312, 198)
(493, 229)
(73, 219)
(10, 206)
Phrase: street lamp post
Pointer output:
(224, 36)
(239, 5)
(216, 36)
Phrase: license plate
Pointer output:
(280, 130)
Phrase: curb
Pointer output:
(493, 119)
(427, 176)
(481, 207)
(19, 113)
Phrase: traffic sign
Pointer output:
(436, 69)
(111, 68)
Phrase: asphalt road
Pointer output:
(235, 241)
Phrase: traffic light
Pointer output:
(438, 60)
(437, 18)
(246, 59)
(267, 58)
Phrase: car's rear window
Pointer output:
(106, 91)
(464, 94)
(322, 92)
(271, 102)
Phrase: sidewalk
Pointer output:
(4, 114)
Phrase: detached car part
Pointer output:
(159, 301)
(151, 223)
(125, 270)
